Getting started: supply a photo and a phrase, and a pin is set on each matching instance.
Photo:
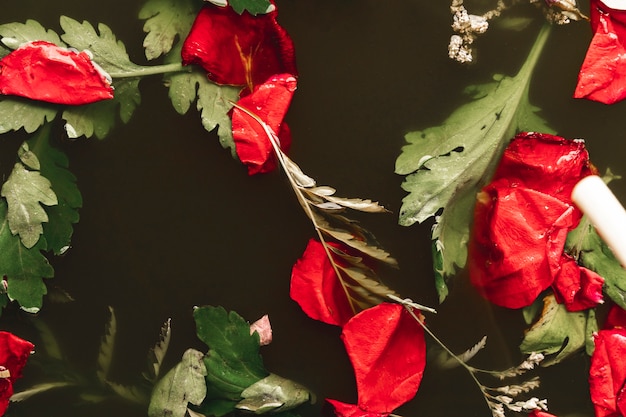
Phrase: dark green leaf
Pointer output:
(54, 166)
(233, 361)
(24, 268)
(253, 7)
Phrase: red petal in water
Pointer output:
(602, 76)
(616, 318)
(317, 289)
(577, 287)
(352, 410)
(511, 250)
(521, 221)
(13, 355)
(268, 101)
(607, 374)
(538, 413)
(388, 352)
(43, 71)
(239, 49)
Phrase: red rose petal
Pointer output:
(268, 101)
(577, 287)
(13, 355)
(515, 238)
(317, 289)
(43, 71)
(352, 410)
(238, 49)
(388, 352)
(607, 374)
(615, 318)
(602, 76)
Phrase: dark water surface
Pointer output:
(170, 221)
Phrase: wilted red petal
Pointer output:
(269, 102)
(317, 289)
(43, 71)
(515, 239)
(239, 49)
(547, 163)
(602, 76)
(387, 349)
(577, 287)
(14, 352)
(352, 410)
(607, 374)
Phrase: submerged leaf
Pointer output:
(25, 192)
(105, 353)
(182, 385)
(446, 165)
(254, 7)
(157, 353)
(273, 394)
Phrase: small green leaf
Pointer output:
(165, 20)
(28, 158)
(107, 51)
(253, 7)
(233, 361)
(157, 353)
(557, 332)
(182, 385)
(23, 268)
(213, 102)
(30, 31)
(17, 113)
(272, 394)
(54, 166)
(25, 192)
(446, 165)
(105, 353)
(99, 118)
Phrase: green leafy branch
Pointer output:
(446, 165)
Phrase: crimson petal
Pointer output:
(268, 101)
(238, 49)
(317, 289)
(607, 374)
(388, 352)
(14, 352)
(43, 71)
(577, 287)
(351, 410)
(602, 76)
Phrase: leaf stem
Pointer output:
(142, 71)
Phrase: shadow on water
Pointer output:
(170, 221)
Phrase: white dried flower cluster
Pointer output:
(531, 361)
(466, 27)
(514, 390)
(501, 403)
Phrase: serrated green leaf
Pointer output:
(17, 113)
(105, 353)
(23, 268)
(25, 192)
(182, 385)
(107, 51)
(157, 353)
(272, 394)
(27, 157)
(233, 361)
(212, 101)
(557, 332)
(99, 118)
(30, 31)
(253, 7)
(54, 166)
(165, 20)
(448, 164)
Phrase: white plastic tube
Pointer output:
(595, 199)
